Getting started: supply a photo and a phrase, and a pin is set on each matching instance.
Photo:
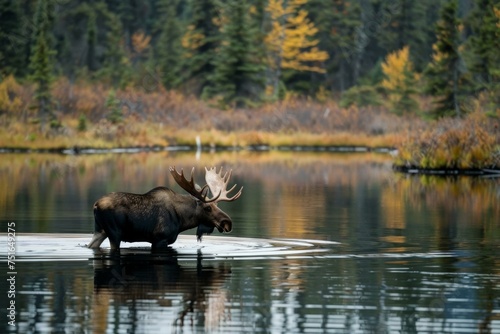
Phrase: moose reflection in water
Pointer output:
(127, 288)
(160, 215)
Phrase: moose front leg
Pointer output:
(97, 239)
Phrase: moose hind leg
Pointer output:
(97, 239)
(114, 243)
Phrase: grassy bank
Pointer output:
(93, 116)
(148, 134)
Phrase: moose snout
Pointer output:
(225, 226)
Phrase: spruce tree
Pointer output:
(238, 67)
(91, 41)
(483, 45)
(339, 23)
(11, 39)
(406, 22)
(169, 51)
(444, 72)
(200, 43)
(41, 64)
(116, 67)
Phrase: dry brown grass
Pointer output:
(159, 118)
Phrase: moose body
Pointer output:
(159, 215)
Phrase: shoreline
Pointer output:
(487, 172)
(409, 170)
(76, 150)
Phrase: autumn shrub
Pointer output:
(95, 114)
(15, 98)
(78, 98)
(105, 130)
(468, 143)
(488, 101)
(9, 101)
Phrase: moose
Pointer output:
(159, 215)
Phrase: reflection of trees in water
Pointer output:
(44, 186)
(300, 185)
(442, 213)
(294, 187)
(465, 202)
(142, 171)
(130, 290)
(134, 291)
(354, 199)
(52, 297)
(458, 216)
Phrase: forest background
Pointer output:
(419, 76)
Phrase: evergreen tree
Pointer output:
(238, 68)
(47, 15)
(84, 45)
(339, 23)
(200, 43)
(444, 72)
(116, 65)
(41, 63)
(11, 39)
(113, 106)
(72, 55)
(91, 41)
(169, 52)
(406, 22)
(484, 45)
(133, 15)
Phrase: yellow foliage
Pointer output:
(437, 56)
(497, 15)
(290, 42)
(9, 95)
(399, 81)
(140, 42)
(269, 90)
(322, 94)
(192, 40)
(395, 68)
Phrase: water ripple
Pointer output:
(71, 247)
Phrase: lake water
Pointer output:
(321, 243)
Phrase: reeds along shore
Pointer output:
(92, 115)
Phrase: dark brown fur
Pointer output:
(157, 216)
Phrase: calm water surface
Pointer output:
(334, 243)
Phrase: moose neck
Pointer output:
(186, 210)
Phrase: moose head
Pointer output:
(208, 213)
(159, 215)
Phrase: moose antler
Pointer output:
(191, 187)
(218, 184)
